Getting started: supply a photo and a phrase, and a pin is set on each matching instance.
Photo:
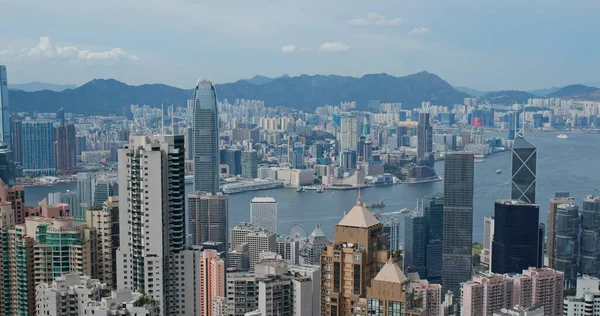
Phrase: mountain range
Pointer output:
(39, 86)
(305, 92)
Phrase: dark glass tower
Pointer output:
(566, 242)
(415, 244)
(590, 236)
(523, 180)
(4, 109)
(433, 207)
(458, 219)
(516, 245)
(424, 140)
(206, 138)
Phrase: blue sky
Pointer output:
(487, 45)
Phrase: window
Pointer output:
(375, 307)
(395, 308)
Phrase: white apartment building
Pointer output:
(586, 301)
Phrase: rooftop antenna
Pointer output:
(162, 118)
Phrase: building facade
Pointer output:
(348, 133)
(558, 199)
(263, 213)
(424, 140)
(566, 242)
(66, 154)
(208, 218)
(249, 164)
(4, 108)
(590, 236)
(212, 280)
(39, 152)
(458, 219)
(524, 170)
(206, 138)
(106, 223)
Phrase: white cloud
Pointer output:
(419, 31)
(47, 50)
(333, 47)
(375, 19)
(289, 49)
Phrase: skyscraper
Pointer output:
(151, 217)
(16, 142)
(424, 140)
(433, 207)
(458, 219)
(206, 138)
(263, 213)
(515, 245)
(523, 175)
(566, 242)
(559, 198)
(212, 279)
(85, 193)
(249, 164)
(106, 223)
(415, 244)
(208, 220)
(7, 166)
(348, 133)
(104, 188)
(4, 108)
(66, 154)
(590, 236)
(39, 154)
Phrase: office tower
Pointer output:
(415, 244)
(80, 145)
(7, 166)
(105, 187)
(424, 140)
(515, 245)
(559, 198)
(488, 237)
(39, 156)
(212, 278)
(368, 150)
(66, 153)
(106, 223)
(188, 134)
(586, 300)
(523, 175)
(232, 158)
(16, 196)
(208, 218)
(298, 156)
(590, 236)
(258, 239)
(486, 294)
(249, 164)
(73, 294)
(152, 214)
(4, 108)
(317, 241)
(348, 159)
(433, 207)
(458, 219)
(263, 213)
(242, 289)
(389, 294)
(238, 258)
(206, 138)
(85, 193)
(358, 242)
(16, 139)
(348, 133)
(566, 242)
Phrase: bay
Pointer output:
(571, 165)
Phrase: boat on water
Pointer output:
(499, 171)
(300, 189)
(404, 211)
(479, 160)
(378, 204)
(320, 190)
(562, 136)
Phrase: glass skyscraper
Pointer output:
(523, 179)
(458, 219)
(515, 245)
(424, 140)
(415, 244)
(39, 157)
(433, 207)
(4, 109)
(590, 236)
(206, 138)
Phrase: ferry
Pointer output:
(239, 187)
(479, 160)
(404, 211)
(499, 171)
(320, 190)
(300, 189)
(562, 136)
(378, 204)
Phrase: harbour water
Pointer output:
(571, 165)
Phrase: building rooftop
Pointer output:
(318, 232)
(359, 216)
(266, 199)
(391, 272)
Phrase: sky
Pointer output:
(485, 45)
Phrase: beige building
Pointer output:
(259, 240)
(348, 265)
(106, 223)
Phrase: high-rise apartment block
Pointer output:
(458, 219)
(259, 240)
(348, 265)
(430, 293)
(16, 196)
(16, 132)
(73, 294)
(586, 301)
(242, 289)
(524, 170)
(4, 108)
(263, 213)
(39, 152)
(515, 244)
(206, 138)
(151, 219)
(348, 133)
(106, 223)
(486, 294)
(212, 280)
(66, 154)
